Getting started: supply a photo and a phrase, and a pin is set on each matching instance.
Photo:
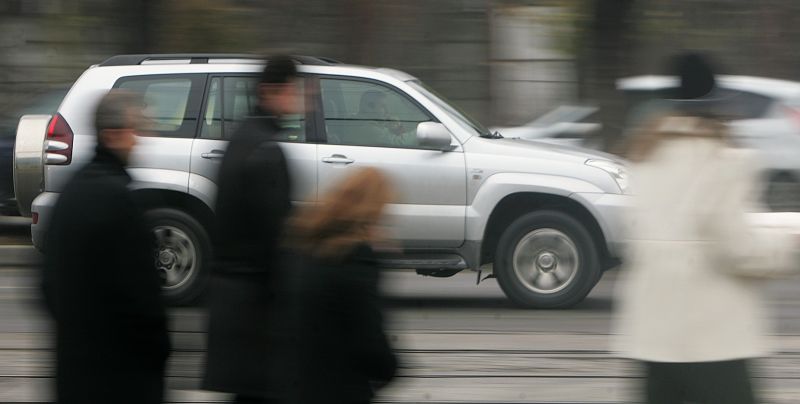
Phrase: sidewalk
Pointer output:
(15, 230)
(437, 368)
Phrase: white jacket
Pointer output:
(689, 291)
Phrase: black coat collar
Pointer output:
(267, 118)
(109, 161)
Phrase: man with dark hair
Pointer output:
(245, 302)
(100, 282)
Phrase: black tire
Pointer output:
(182, 242)
(549, 237)
(783, 193)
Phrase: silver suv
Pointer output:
(543, 219)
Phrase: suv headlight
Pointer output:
(617, 171)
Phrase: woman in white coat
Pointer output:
(689, 303)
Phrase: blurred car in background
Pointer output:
(566, 125)
(765, 116)
(42, 103)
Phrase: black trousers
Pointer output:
(726, 382)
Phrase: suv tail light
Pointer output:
(58, 142)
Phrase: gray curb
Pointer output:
(19, 256)
(18, 221)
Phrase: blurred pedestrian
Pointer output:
(695, 95)
(100, 282)
(690, 308)
(244, 332)
(343, 352)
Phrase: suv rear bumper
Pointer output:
(43, 205)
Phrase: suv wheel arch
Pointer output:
(516, 205)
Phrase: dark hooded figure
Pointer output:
(246, 299)
(695, 74)
(100, 281)
(696, 95)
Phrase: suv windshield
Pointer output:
(464, 119)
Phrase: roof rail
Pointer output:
(131, 60)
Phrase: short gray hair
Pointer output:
(113, 110)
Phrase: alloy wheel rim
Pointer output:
(546, 261)
(175, 256)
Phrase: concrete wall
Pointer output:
(530, 73)
(49, 42)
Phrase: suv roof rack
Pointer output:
(131, 60)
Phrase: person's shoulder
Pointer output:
(363, 252)
(94, 199)
(266, 149)
(96, 182)
(741, 161)
(244, 131)
(362, 262)
(740, 155)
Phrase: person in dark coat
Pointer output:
(343, 354)
(100, 282)
(245, 338)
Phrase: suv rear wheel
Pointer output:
(182, 254)
(546, 259)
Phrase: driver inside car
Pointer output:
(376, 127)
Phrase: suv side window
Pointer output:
(362, 113)
(232, 99)
(172, 102)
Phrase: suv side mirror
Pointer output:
(434, 135)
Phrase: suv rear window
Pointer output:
(172, 102)
(231, 99)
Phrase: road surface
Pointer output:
(458, 343)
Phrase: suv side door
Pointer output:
(171, 108)
(370, 123)
(230, 98)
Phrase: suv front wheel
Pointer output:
(546, 259)
(182, 254)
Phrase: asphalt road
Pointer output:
(458, 343)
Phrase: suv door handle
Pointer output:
(214, 154)
(337, 159)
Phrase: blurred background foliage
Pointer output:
(503, 61)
